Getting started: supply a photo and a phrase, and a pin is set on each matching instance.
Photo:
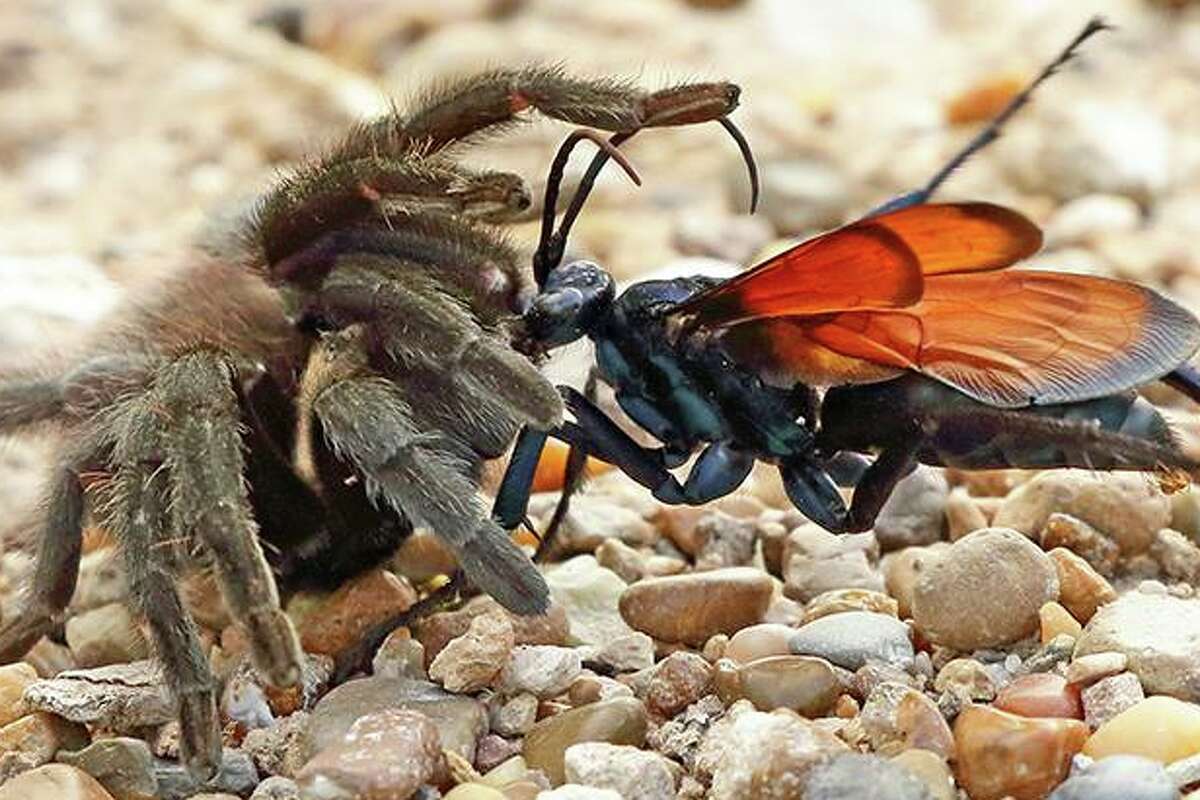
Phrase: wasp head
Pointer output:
(575, 297)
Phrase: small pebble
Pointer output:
(634, 774)
(620, 721)
(679, 680)
(1108, 697)
(120, 697)
(384, 755)
(853, 638)
(1125, 506)
(1086, 670)
(1119, 778)
(472, 661)
(1082, 590)
(573, 791)
(985, 591)
(691, 608)
(1057, 621)
(542, 670)
(963, 514)
(863, 776)
(817, 561)
(1002, 754)
(276, 787)
(590, 594)
(124, 766)
(759, 641)
(1160, 728)
(515, 716)
(1041, 694)
(54, 782)
(1076, 536)
(903, 568)
(914, 513)
(837, 601)
(33, 739)
(106, 635)
(400, 656)
(967, 678)
(804, 684)
(1159, 634)
(897, 717)
(340, 620)
(14, 680)
(932, 770)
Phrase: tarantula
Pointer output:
(332, 374)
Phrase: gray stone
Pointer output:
(863, 777)
(1119, 778)
(853, 638)
(460, 720)
(237, 775)
(120, 697)
(124, 766)
(276, 788)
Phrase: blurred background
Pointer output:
(124, 124)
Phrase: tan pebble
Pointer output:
(985, 591)
(987, 484)
(815, 561)
(1056, 621)
(804, 684)
(1080, 538)
(1125, 506)
(836, 601)
(967, 678)
(1177, 555)
(715, 647)
(339, 621)
(903, 568)
(846, 707)
(678, 523)
(691, 608)
(963, 515)
(759, 641)
(1082, 589)
(585, 689)
(897, 717)
(507, 771)
(54, 782)
(1002, 754)
(522, 790)
(932, 770)
(620, 721)
(424, 556)
(472, 661)
(1161, 728)
(1041, 694)
(784, 611)
(435, 630)
(106, 635)
(475, 791)
(32, 740)
(1088, 669)
(14, 680)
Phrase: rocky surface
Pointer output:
(997, 634)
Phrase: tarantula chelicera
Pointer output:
(331, 375)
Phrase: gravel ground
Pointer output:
(1002, 634)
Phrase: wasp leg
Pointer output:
(814, 493)
(992, 132)
(719, 470)
(513, 495)
(878, 481)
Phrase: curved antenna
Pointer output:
(549, 253)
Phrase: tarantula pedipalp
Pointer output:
(334, 372)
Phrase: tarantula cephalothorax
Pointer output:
(332, 374)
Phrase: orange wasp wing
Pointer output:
(878, 262)
(840, 309)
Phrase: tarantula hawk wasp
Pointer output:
(934, 354)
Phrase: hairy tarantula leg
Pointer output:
(138, 512)
(992, 132)
(471, 105)
(415, 321)
(57, 564)
(468, 260)
(24, 403)
(368, 422)
(332, 196)
(209, 498)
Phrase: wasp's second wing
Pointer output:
(1009, 339)
(874, 263)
